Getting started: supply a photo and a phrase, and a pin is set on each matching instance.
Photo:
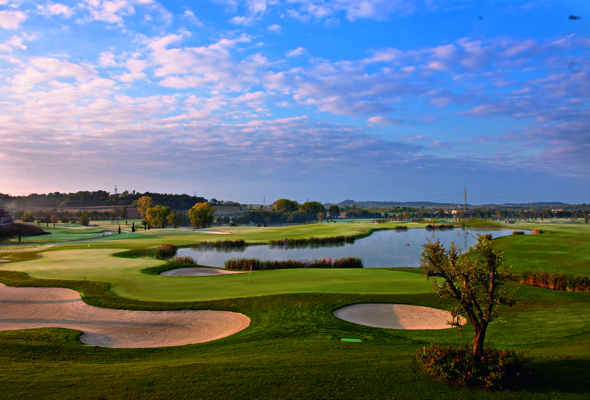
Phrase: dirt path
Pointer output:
(394, 316)
(26, 308)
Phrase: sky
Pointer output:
(326, 100)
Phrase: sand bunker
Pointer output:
(394, 316)
(198, 272)
(26, 308)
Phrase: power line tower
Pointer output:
(115, 214)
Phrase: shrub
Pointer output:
(255, 264)
(496, 369)
(402, 228)
(165, 251)
(23, 229)
(556, 281)
(184, 259)
(488, 236)
(537, 231)
(518, 233)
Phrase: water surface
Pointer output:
(385, 248)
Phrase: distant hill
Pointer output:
(367, 204)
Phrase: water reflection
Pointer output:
(384, 248)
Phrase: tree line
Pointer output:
(98, 198)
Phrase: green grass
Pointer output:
(292, 349)
(126, 279)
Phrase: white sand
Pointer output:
(394, 316)
(26, 308)
(198, 272)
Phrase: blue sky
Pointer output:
(320, 99)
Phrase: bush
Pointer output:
(497, 369)
(24, 229)
(555, 281)
(165, 251)
(518, 233)
(537, 231)
(184, 259)
(245, 264)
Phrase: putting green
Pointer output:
(126, 280)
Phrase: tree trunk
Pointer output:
(479, 336)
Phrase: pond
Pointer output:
(384, 248)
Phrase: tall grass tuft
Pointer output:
(184, 259)
(556, 281)
(245, 264)
(165, 251)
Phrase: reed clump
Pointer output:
(518, 233)
(556, 281)
(246, 264)
(441, 226)
(184, 259)
(312, 242)
(401, 228)
(537, 231)
(165, 251)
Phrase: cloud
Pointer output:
(55, 9)
(113, 11)
(296, 52)
(45, 69)
(274, 28)
(379, 119)
(11, 19)
(107, 59)
(15, 42)
(192, 18)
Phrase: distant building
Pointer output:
(5, 219)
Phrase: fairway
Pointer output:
(292, 348)
(126, 280)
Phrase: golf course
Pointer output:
(286, 342)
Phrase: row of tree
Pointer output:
(200, 215)
(98, 198)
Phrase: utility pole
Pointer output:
(263, 201)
